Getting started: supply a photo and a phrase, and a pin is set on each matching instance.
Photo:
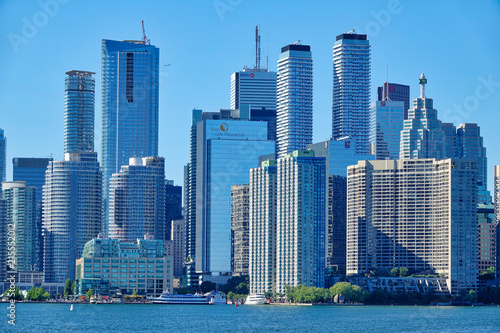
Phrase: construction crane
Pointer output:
(296, 43)
(350, 32)
(145, 40)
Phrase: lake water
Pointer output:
(264, 318)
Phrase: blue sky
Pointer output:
(455, 43)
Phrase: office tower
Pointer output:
(224, 147)
(336, 224)
(3, 240)
(239, 229)
(178, 236)
(21, 214)
(173, 206)
(137, 200)
(339, 154)
(351, 89)
(422, 135)
(32, 171)
(395, 92)
(470, 146)
(262, 227)
(3, 156)
(255, 87)
(130, 74)
(497, 218)
(145, 256)
(295, 99)
(450, 138)
(386, 124)
(300, 231)
(415, 213)
(79, 106)
(72, 210)
(486, 237)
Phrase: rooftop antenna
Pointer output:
(257, 46)
(145, 40)
(267, 52)
(386, 88)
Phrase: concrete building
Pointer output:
(486, 237)
(418, 213)
(262, 227)
(240, 229)
(72, 210)
(79, 109)
(422, 135)
(386, 124)
(178, 236)
(20, 209)
(497, 218)
(137, 200)
(395, 92)
(294, 99)
(225, 145)
(130, 76)
(351, 89)
(300, 230)
(140, 266)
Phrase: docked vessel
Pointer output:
(216, 297)
(255, 299)
(167, 298)
(117, 298)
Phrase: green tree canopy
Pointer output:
(67, 288)
(89, 293)
(207, 286)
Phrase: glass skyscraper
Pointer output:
(395, 92)
(137, 200)
(3, 157)
(386, 124)
(21, 214)
(422, 135)
(72, 202)
(294, 127)
(130, 74)
(351, 89)
(79, 106)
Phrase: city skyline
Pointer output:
(185, 69)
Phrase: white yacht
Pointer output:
(167, 298)
(216, 297)
(255, 299)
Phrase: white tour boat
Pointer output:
(167, 298)
(255, 299)
(216, 297)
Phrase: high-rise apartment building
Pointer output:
(137, 200)
(72, 211)
(336, 224)
(21, 215)
(262, 227)
(422, 135)
(395, 92)
(351, 89)
(294, 99)
(3, 156)
(79, 106)
(300, 230)
(225, 145)
(386, 124)
(32, 171)
(130, 76)
(178, 236)
(470, 146)
(239, 229)
(3, 240)
(415, 213)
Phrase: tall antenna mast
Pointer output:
(257, 46)
(145, 40)
(267, 52)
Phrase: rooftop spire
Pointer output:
(422, 81)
